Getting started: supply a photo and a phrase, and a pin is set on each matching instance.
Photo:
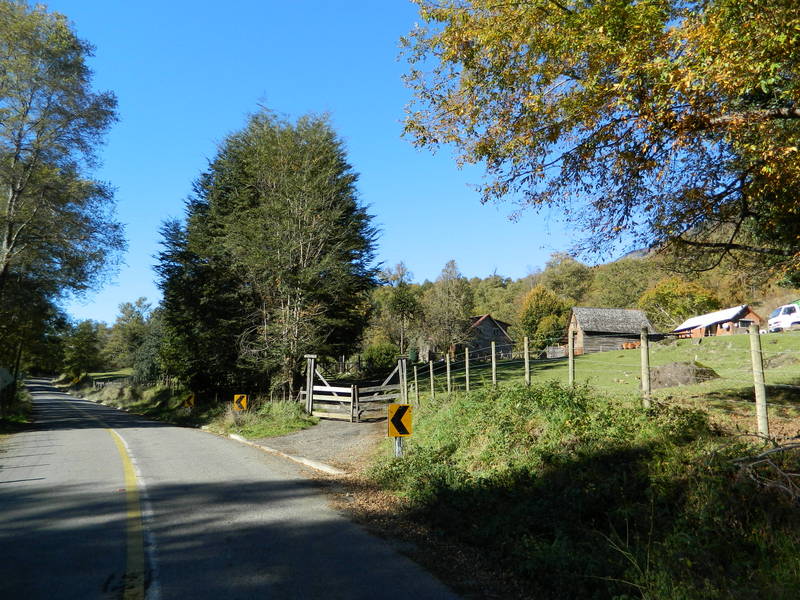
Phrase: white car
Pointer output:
(785, 317)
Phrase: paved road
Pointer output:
(96, 503)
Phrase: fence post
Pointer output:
(354, 404)
(433, 387)
(449, 383)
(645, 347)
(311, 367)
(401, 372)
(494, 365)
(416, 385)
(466, 367)
(758, 381)
(527, 363)
(571, 357)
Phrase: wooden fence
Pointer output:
(352, 403)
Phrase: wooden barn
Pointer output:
(729, 321)
(602, 329)
(484, 330)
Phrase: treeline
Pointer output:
(409, 317)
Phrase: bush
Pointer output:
(380, 358)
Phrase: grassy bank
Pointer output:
(165, 403)
(581, 496)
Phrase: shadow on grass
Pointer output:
(621, 523)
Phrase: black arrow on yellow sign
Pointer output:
(399, 420)
(240, 402)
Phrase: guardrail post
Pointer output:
(756, 357)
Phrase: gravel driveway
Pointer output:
(337, 443)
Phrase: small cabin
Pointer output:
(604, 329)
(729, 321)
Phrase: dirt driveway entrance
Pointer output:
(337, 443)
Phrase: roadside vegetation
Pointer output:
(17, 411)
(173, 404)
(581, 495)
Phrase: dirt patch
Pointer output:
(337, 443)
(780, 360)
(680, 373)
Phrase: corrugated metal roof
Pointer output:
(612, 320)
(720, 316)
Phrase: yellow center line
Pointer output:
(134, 568)
(134, 576)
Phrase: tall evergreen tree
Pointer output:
(277, 219)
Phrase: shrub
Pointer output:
(381, 357)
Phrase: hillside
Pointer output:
(571, 493)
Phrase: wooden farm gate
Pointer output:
(351, 403)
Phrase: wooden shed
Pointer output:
(603, 329)
(729, 321)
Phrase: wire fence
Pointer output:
(719, 370)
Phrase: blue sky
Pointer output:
(187, 74)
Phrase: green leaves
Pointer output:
(620, 111)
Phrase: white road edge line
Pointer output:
(314, 464)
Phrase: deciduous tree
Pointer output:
(673, 300)
(54, 221)
(448, 306)
(665, 123)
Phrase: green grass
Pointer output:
(267, 420)
(582, 495)
(126, 372)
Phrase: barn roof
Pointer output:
(501, 325)
(720, 316)
(612, 320)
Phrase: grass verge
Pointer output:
(572, 495)
(269, 419)
(164, 403)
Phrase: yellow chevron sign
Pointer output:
(239, 402)
(399, 420)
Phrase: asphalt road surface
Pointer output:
(97, 503)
